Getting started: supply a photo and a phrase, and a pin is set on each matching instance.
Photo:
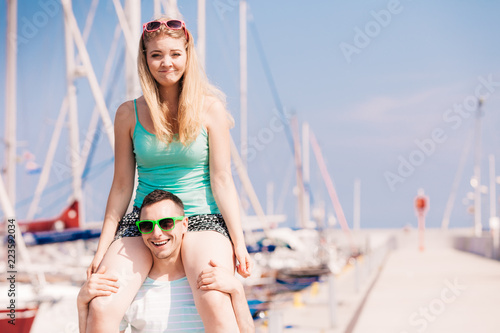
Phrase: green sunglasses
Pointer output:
(165, 224)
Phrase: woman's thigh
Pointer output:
(130, 261)
(199, 247)
(215, 307)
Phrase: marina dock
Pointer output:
(440, 289)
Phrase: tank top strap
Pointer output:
(135, 108)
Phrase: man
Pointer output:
(165, 301)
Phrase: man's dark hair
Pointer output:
(160, 195)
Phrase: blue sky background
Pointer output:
(366, 113)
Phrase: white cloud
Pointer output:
(385, 109)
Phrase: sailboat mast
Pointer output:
(306, 173)
(201, 43)
(299, 173)
(243, 83)
(156, 8)
(8, 191)
(71, 74)
(133, 14)
(10, 101)
(493, 191)
(357, 204)
(477, 172)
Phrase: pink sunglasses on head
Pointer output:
(170, 24)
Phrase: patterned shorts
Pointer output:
(203, 222)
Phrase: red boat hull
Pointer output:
(23, 320)
(68, 219)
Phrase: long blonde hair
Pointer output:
(194, 86)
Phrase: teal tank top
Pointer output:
(182, 170)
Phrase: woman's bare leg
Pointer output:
(130, 261)
(214, 307)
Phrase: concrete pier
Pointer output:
(440, 290)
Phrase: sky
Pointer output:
(389, 89)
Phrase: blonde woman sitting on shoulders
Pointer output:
(177, 134)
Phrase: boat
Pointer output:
(20, 323)
(296, 279)
(69, 218)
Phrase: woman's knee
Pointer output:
(99, 305)
(103, 316)
(217, 312)
(215, 302)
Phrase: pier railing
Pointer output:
(357, 280)
(344, 291)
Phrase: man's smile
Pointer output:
(160, 243)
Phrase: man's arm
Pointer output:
(218, 278)
(99, 284)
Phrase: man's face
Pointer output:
(164, 244)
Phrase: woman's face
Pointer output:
(166, 58)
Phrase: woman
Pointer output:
(178, 134)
